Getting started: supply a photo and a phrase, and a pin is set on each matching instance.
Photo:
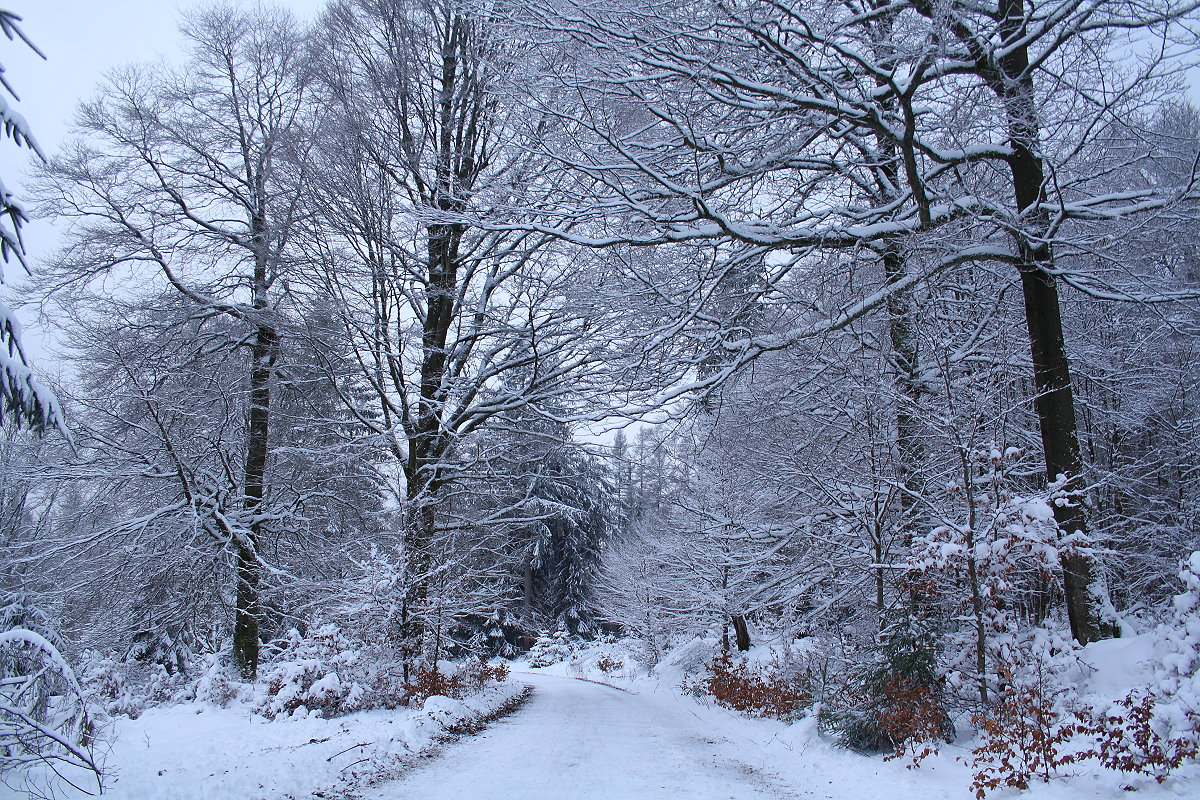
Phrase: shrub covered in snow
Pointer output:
(446, 679)
(478, 672)
(128, 688)
(322, 672)
(328, 673)
(1179, 676)
(551, 649)
(893, 702)
(607, 658)
(1036, 723)
(1025, 735)
(996, 562)
(760, 692)
(1138, 734)
(215, 684)
(1155, 730)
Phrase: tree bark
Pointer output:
(428, 442)
(741, 632)
(263, 353)
(419, 533)
(910, 447)
(904, 355)
(1055, 401)
(528, 592)
(456, 129)
(246, 613)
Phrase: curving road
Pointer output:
(576, 740)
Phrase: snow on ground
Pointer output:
(580, 740)
(713, 752)
(201, 752)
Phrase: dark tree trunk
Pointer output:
(910, 447)
(429, 442)
(420, 527)
(528, 592)
(455, 130)
(741, 632)
(1055, 403)
(263, 352)
(904, 355)
(246, 612)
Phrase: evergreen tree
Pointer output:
(20, 393)
(896, 698)
(550, 508)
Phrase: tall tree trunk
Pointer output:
(428, 441)
(904, 355)
(246, 613)
(528, 592)
(420, 529)
(1055, 402)
(910, 447)
(456, 129)
(904, 358)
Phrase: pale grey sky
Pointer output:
(82, 39)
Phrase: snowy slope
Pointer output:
(735, 756)
(198, 752)
(577, 740)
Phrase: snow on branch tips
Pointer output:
(21, 395)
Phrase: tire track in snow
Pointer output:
(576, 740)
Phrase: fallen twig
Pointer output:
(348, 749)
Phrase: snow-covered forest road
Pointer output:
(581, 740)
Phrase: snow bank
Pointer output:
(202, 752)
(798, 755)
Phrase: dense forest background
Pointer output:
(436, 327)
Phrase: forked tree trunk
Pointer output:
(741, 632)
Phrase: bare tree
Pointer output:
(185, 176)
(802, 129)
(454, 317)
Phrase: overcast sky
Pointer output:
(84, 38)
(81, 39)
